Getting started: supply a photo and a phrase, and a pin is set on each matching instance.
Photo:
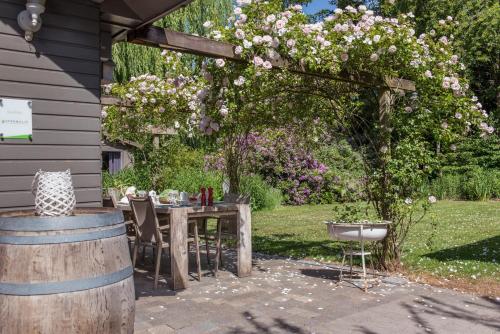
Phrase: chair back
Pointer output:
(114, 194)
(236, 198)
(145, 219)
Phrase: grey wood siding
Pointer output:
(60, 71)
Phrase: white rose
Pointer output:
(267, 65)
(223, 110)
(271, 18)
(240, 81)
(280, 24)
(258, 61)
(247, 44)
(239, 34)
(220, 62)
(257, 40)
(238, 50)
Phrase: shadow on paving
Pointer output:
(364, 330)
(446, 310)
(256, 327)
(144, 272)
(281, 244)
(481, 250)
(329, 274)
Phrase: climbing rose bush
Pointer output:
(353, 40)
(356, 41)
(149, 102)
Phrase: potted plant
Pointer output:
(350, 225)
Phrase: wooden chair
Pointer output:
(151, 234)
(114, 195)
(227, 227)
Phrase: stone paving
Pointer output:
(287, 296)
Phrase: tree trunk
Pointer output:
(387, 254)
(384, 149)
(233, 165)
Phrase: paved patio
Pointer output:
(286, 296)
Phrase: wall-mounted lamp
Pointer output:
(29, 20)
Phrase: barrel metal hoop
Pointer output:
(39, 224)
(49, 288)
(62, 238)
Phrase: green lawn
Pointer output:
(466, 243)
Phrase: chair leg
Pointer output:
(220, 255)
(350, 258)
(342, 267)
(144, 255)
(197, 246)
(134, 254)
(207, 246)
(218, 246)
(157, 265)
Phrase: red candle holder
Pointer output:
(203, 196)
(210, 196)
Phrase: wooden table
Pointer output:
(179, 234)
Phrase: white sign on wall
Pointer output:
(15, 119)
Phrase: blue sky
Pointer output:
(317, 5)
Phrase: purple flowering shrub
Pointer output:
(286, 163)
(291, 167)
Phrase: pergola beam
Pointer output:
(186, 43)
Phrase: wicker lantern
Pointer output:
(54, 194)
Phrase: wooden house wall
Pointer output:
(60, 72)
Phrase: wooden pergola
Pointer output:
(186, 43)
(177, 41)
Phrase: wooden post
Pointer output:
(179, 248)
(384, 143)
(244, 225)
(156, 141)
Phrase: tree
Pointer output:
(476, 38)
(133, 60)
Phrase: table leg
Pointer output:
(179, 248)
(244, 245)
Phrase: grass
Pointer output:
(465, 245)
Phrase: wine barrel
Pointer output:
(65, 274)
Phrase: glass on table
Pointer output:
(173, 197)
